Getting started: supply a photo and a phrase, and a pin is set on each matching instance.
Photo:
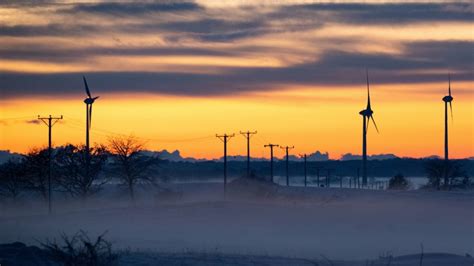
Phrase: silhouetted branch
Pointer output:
(130, 164)
(72, 176)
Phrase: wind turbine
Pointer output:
(88, 101)
(447, 99)
(367, 115)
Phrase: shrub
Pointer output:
(398, 182)
(254, 175)
(79, 250)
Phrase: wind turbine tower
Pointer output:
(447, 100)
(367, 115)
(88, 101)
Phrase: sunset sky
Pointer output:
(176, 73)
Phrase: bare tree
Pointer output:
(72, 175)
(12, 179)
(436, 170)
(36, 170)
(130, 164)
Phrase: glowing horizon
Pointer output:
(294, 125)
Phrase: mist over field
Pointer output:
(258, 219)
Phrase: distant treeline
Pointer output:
(377, 168)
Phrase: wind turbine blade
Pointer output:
(90, 116)
(368, 89)
(451, 110)
(366, 124)
(375, 124)
(87, 87)
(449, 84)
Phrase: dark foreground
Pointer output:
(18, 254)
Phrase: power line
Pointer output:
(106, 133)
(49, 122)
(305, 172)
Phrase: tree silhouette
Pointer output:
(12, 175)
(398, 182)
(435, 170)
(35, 164)
(72, 175)
(129, 162)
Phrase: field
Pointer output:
(261, 223)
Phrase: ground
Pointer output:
(262, 220)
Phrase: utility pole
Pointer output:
(317, 175)
(328, 180)
(49, 122)
(248, 135)
(271, 146)
(358, 177)
(287, 173)
(224, 139)
(305, 172)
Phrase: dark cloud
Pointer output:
(207, 30)
(395, 13)
(212, 25)
(33, 121)
(46, 30)
(73, 26)
(342, 12)
(218, 29)
(334, 68)
(182, 84)
(222, 30)
(53, 54)
(454, 54)
(25, 3)
(134, 8)
(213, 28)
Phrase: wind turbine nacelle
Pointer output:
(447, 98)
(89, 101)
(366, 112)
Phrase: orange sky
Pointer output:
(177, 75)
(300, 117)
